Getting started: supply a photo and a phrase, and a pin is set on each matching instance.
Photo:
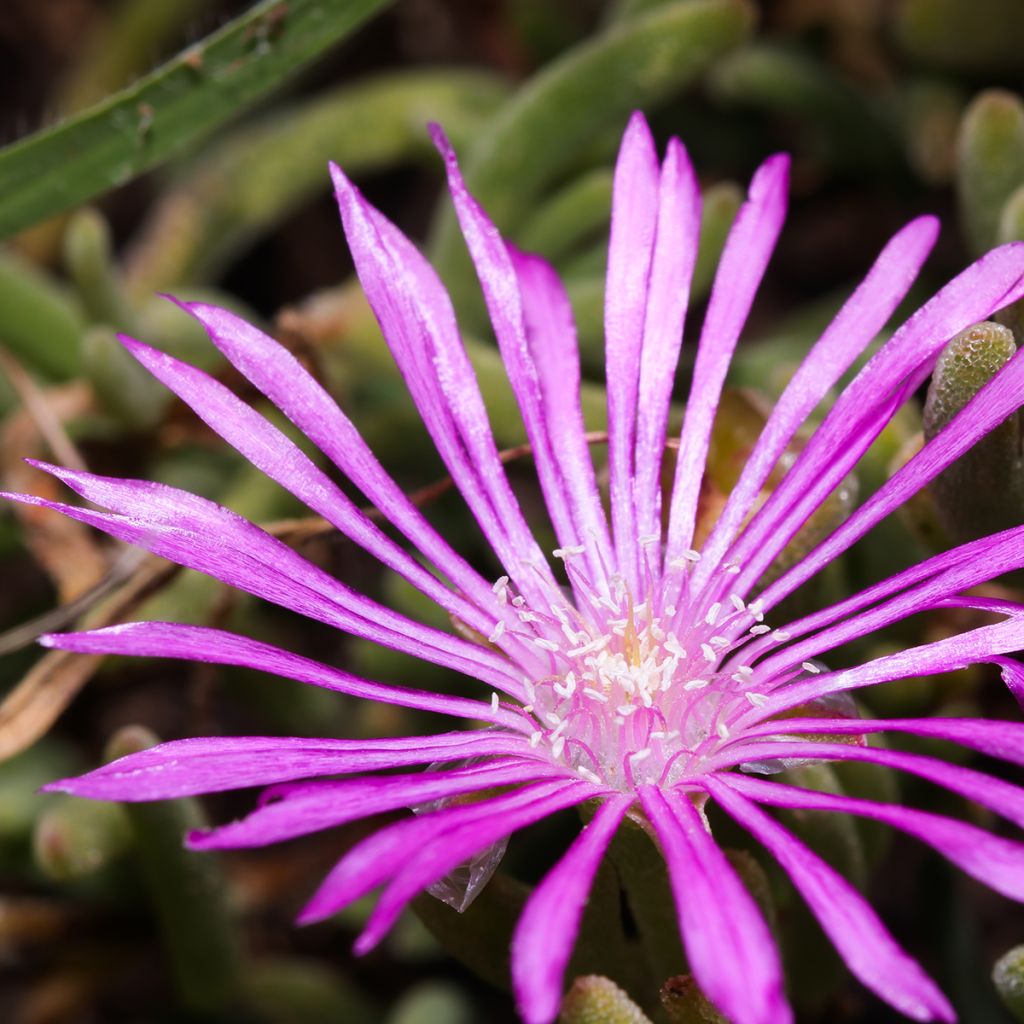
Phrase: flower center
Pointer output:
(634, 693)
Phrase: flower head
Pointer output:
(629, 669)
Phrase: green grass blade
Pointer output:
(196, 92)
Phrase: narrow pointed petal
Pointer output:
(1002, 740)
(547, 929)
(284, 462)
(551, 334)
(863, 315)
(204, 536)
(672, 263)
(863, 409)
(946, 655)
(1000, 397)
(1001, 797)
(730, 950)
(992, 860)
(630, 248)
(740, 271)
(434, 860)
(932, 567)
(311, 807)
(212, 765)
(862, 940)
(385, 853)
(283, 379)
(504, 301)
(419, 326)
(217, 647)
(990, 558)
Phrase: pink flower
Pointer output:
(631, 669)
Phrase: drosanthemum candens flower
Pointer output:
(629, 671)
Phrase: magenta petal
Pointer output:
(500, 285)
(283, 379)
(986, 410)
(204, 536)
(1013, 675)
(744, 260)
(419, 326)
(547, 929)
(214, 646)
(862, 940)
(214, 764)
(946, 655)
(997, 862)
(311, 807)
(672, 263)
(863, 315)
(730, 950)
(551, 334)
(630, 248)
(284, 462)
(435, 859)
(964, 568)
(1002, 740)
(1001, 797)
(862, 410)
(387, 852)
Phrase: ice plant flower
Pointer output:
(630, 670)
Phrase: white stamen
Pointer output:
(569, 551)
(809, 666)
(495, 701)
(696, 684)
(640, 755)
(737, 602)
(759, 630)
(723, 730)
(585, 773)
(712, 615)
(497, 633)
(547, 645)
(626, 710)
(535, 738)
(589, 691)
(757, 699)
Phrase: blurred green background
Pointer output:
(182, 147)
